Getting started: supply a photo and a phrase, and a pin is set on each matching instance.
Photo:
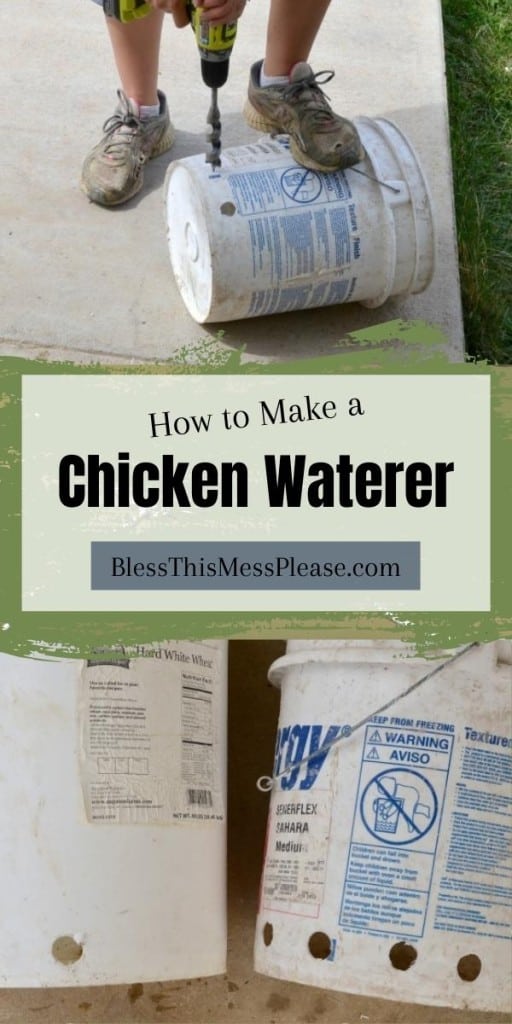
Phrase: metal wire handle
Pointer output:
(266, 783)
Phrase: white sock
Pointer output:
(152, 111)
(266, 80)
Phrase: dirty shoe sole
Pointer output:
(262, 124)
(165, 143)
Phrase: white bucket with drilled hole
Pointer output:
(113, 789)
(263, 235)
(388, 861)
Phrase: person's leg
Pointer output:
(285, 95)
(136, 48)
(291, 31)
(140, 128)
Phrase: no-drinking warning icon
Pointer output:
(301, 184)
(398, 806)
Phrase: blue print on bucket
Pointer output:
(294, 744)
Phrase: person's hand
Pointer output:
(216, 12)
(220, 12)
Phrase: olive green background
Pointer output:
(395, 347)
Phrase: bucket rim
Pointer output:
(347, 656)
(372, 652)
(406, 156)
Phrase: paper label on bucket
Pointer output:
(149, 748)
(285, 235)
(297, 847)
(475, 892)
(408, 869)
(395, 828)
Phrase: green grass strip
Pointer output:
(478, 43)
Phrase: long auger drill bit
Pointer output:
(213, 119)
(215, 43)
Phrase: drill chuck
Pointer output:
(214, 72)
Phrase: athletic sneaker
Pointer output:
(319, 138)
(113, 171)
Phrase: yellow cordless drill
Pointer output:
(214, 44)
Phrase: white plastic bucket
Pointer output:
(101, 882)
(264, 235)
(388, 863)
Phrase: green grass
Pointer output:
(478, 43)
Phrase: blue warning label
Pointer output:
(284, 188)
(399, 806)
(301, 184)
(395, 829)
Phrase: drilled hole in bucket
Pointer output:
(402, 955)
(319, 945)
(228, 209)
(469, 967)
(66, 950)
(268, 933)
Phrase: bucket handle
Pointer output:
(266, 783)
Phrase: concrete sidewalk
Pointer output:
(84, 282)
